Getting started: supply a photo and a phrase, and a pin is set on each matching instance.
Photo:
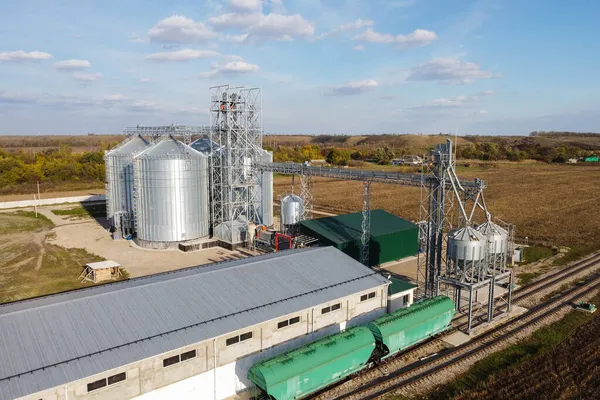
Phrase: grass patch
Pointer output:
(575, 253)
(525, 278)
(87, 211)
(23, 221)
(59, 272)
(484, 371)
(536, 253)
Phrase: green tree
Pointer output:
(384, 155)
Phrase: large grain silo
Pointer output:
(119, 184)
(172, 203)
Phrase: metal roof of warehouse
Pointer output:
(348, 227)
(52, 340)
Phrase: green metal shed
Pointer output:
(408, 326)
(314, 366)
(591, 159)
(392, 237)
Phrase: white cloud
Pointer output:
(72, 64)
(418, 37)
(180, 29)
(358, 47)
(87, 77)
(145, 80)
(230, 68)
(142, 106)
(233, 57)
(356, 24)
(238, 39)
(235, 20)
(115, 98)
(448, 70)
(245, 5)
(20, 55)
(270, 26)
(351, 88)
(277, 7)
(16, 98)
(457, 102)
(182, 55)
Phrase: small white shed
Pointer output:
(100, 271)
(401, 294)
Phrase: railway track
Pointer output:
(486, 343)
(390, 374)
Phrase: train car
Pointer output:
(314, 366)
(309, 368)
(408, 326)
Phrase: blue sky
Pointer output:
(324, 66)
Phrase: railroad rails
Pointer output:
(541, 286)
(395, 373)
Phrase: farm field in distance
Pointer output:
(553, 204)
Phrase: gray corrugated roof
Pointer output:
(129, 146)
(61, 338)
(169, 147)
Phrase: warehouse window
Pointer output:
(188, 355)
(111, 380)
(167, 362)
(368, 296)
(96, 385)
(287, 322)
(170, 361)
(116, 378)
(239, 338)
(331, 308)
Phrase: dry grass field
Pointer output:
(32, 266)
(550, 203)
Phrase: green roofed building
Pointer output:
(392, 237)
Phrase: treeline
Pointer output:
(486, 151)
(332, 155)
(563, 133)
(492, 151)
(51, 166)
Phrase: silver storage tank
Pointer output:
(171, 190)
(497, 236)
(466, 244)
(292, 209)
(466, 255)
(266, 190)
(119, 183)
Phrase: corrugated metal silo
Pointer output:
(119, 183)
(172, 203)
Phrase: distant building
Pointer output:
(392, 237)
(408, 160)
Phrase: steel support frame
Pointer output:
(306, 193)
(365, 237)
(236, 134)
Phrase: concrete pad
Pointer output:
(93, 237)
(500, 319)
(456, 339)
(404, 268)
